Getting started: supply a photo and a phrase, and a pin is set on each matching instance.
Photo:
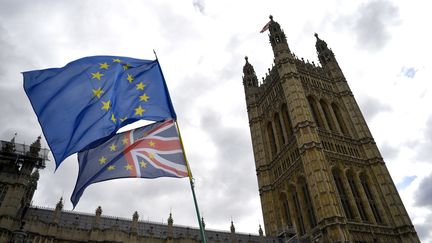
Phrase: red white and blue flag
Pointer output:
(147, 152)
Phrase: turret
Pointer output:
(278, 41)
(97, 218)
(249, 77)
(58, 210)
(328, 60)
(233, 235)
(134, 226)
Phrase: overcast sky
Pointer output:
(383, 48)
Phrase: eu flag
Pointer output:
(147, 152)
(88, 100)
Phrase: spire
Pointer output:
(134, 225)
(249, 79)
(202, 222)
(170, 220)
(58, 210)
(327, 59)
(98, 211)
(13, 139)
(260, 231)
(35, 147)
(232, 228)
(278, 39)
(97, 218)
(135, 216)
(59, 205)
(320, 44)
(170, 226)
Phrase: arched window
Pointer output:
(279, 130)
(357, 198)
(328, 115)
(287, 121)
(371, 199)
(271, 137)
(315, 113)
(285, 209)
(342, 194)
(309, 206)
(340, 119)
(299, 216)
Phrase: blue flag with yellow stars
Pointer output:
(88, 100)
(146, 152)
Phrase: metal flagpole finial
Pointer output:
(154, 51)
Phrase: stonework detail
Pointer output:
(321, 176)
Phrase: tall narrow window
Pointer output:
(299, 218)
(343, 196)
(371, 199)
(328, 115)
(315, 113)
(272, 139)
(357, 197)
(309, 206)
(286, 212)
(340, 119)
(3, 191)
(287, 121)
(279, 129)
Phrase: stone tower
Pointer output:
(321, 176)
(19, 165)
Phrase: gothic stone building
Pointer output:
(21, 222)
(320, 174)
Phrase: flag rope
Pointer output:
(192, 184)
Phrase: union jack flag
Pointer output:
(148, 152)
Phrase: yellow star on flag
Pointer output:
(106, 105)
(143, 164)
(128, 167)
(111, 167)
(130, 78)
(103, 65)
(140, 86)
(126, 67)
(151, 155)
(97, 75)
(113, 147)
(125, 141)
(139, 111)
(98, 92)
(123, 119)
(144, 97)
(116, 60)
(102, 160)
(151, 143)
(113, 119)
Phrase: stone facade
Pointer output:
(22, 222)
(321, 176)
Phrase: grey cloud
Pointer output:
(235, 166)
(424, 147)
(371, 23)
(424, 229)
(199, 5)
(372, 106)
(424, 192)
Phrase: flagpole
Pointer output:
(191, 179)
(192, 184)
